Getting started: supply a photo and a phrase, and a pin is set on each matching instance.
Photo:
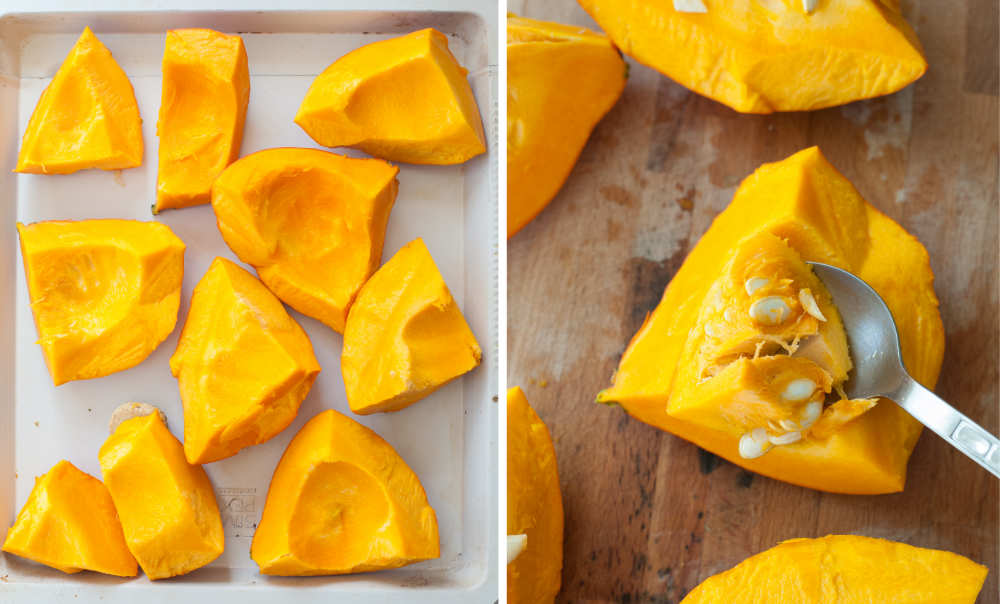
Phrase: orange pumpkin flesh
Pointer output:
(342, 501)
(845, 569)
(806, 202)
(203, 106)
(311, 222)
(86, 118)
(763, 56)
(534, 505)
(69, 522)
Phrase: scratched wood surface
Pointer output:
(648, 515)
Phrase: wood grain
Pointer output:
(648, 515)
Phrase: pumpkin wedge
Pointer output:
(166, 505)
(805, 202)
(405, 99)
(203, 106)
(760, 57)
(846, 569)
(405, 335)
(243, 365)
(69, 523)
(342, 501)
(104, 293)
(561, 80)
(534, 506)
(311, 222)
(87, 116)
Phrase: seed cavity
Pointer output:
(755, 283)
(810, 414)
(750, 447)
(772, 310)
(690, 6)
(798, 390)
(515, 545)
(786, 439)
(809, 304)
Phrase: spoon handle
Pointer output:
(960, 431)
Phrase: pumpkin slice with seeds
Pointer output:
(804, 201)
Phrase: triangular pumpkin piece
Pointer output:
(342, 501)
(69, 522)
(242, 363)
(87, 117)
(405, 335)
(167, 506)
(405, 99)
(804, 201)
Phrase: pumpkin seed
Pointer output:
(754, 283)
(690, 6)
(772, 310)
(750, 448)
(789, 425)
(798, 390)
(809, 5)
(786, 439)
(809, 304)
(515, 545)
(811, 413)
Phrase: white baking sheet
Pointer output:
(448, 439)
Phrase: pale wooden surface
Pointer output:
(648, 515)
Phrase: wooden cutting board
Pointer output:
(648, 515)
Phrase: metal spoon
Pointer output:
(879, 369)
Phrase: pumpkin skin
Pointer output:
(561, 80)
(104, 293)
(405, 335)
(806, 202)
(311, 222)
(534, 505)
(846, 569)
(242, 363)
(761, 57)
(203, 106)
(166, 505)
(335, 463)
(86, 118)
(69, 522)
(405, 99)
